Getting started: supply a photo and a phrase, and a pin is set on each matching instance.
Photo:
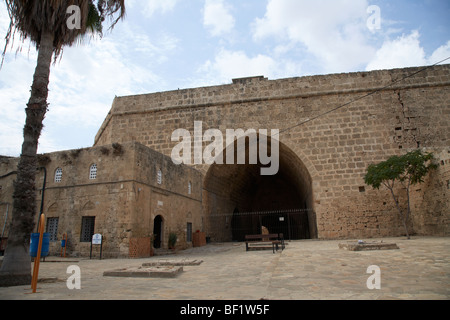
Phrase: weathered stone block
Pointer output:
(146, 272)
(367, 246)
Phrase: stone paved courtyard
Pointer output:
(310, 269)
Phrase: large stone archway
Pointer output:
(238, 200)
(336, 125)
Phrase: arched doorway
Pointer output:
(157, 232)
(239, 200)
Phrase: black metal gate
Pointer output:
(293, 224)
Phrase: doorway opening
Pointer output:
(240, 201)
(157, 232)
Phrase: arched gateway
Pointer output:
(332, 127)
(239, 200)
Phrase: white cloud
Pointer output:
(334, 31)
(150, 7)
(82, 84)
(441, 53)
(334, 36)
(85, 82)
(229, 65)
(217, 17)
(15, 82)
(406, 51)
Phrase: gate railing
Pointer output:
(294, 224)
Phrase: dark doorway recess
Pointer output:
(241, 201)
(157, 232)
(293, 224)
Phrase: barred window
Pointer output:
(93, 172)
(189, 188)
(87, 229)
(58, 175)
(159, 176)
(52, 228)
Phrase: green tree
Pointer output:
(46, 24)
(408, 170)
(172, 240)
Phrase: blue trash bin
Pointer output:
(35, 243)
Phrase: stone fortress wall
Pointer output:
(325, 159)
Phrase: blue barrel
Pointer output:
(35, 243)
(63, 243)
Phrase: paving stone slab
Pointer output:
(172, 263)
(146, 272)
(367, 246)
(310, 269)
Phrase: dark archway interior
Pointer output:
(241, 201)
(157, 232)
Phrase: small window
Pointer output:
(87, 229)
(189, 232)
(52, 228)
(189, 188)
(93, 172)
(159, 176)
(58, 175)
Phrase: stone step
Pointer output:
(163, 252)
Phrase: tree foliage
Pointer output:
(408, 169)
(31, 19)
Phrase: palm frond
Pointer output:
(110, 8)
(30, 19)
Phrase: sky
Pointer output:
(164, 45)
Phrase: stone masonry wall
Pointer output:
(386, 116)
(171, 199)
(7, 168)
(123, 198)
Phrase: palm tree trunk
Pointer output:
(16, 267)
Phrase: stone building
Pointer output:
(330, 128)
(131, 195)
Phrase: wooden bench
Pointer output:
(259, 240)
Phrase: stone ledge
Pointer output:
(367, 246)
(144, 272)
(14, 280)
(160, 263)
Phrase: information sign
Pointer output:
(97, 239)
